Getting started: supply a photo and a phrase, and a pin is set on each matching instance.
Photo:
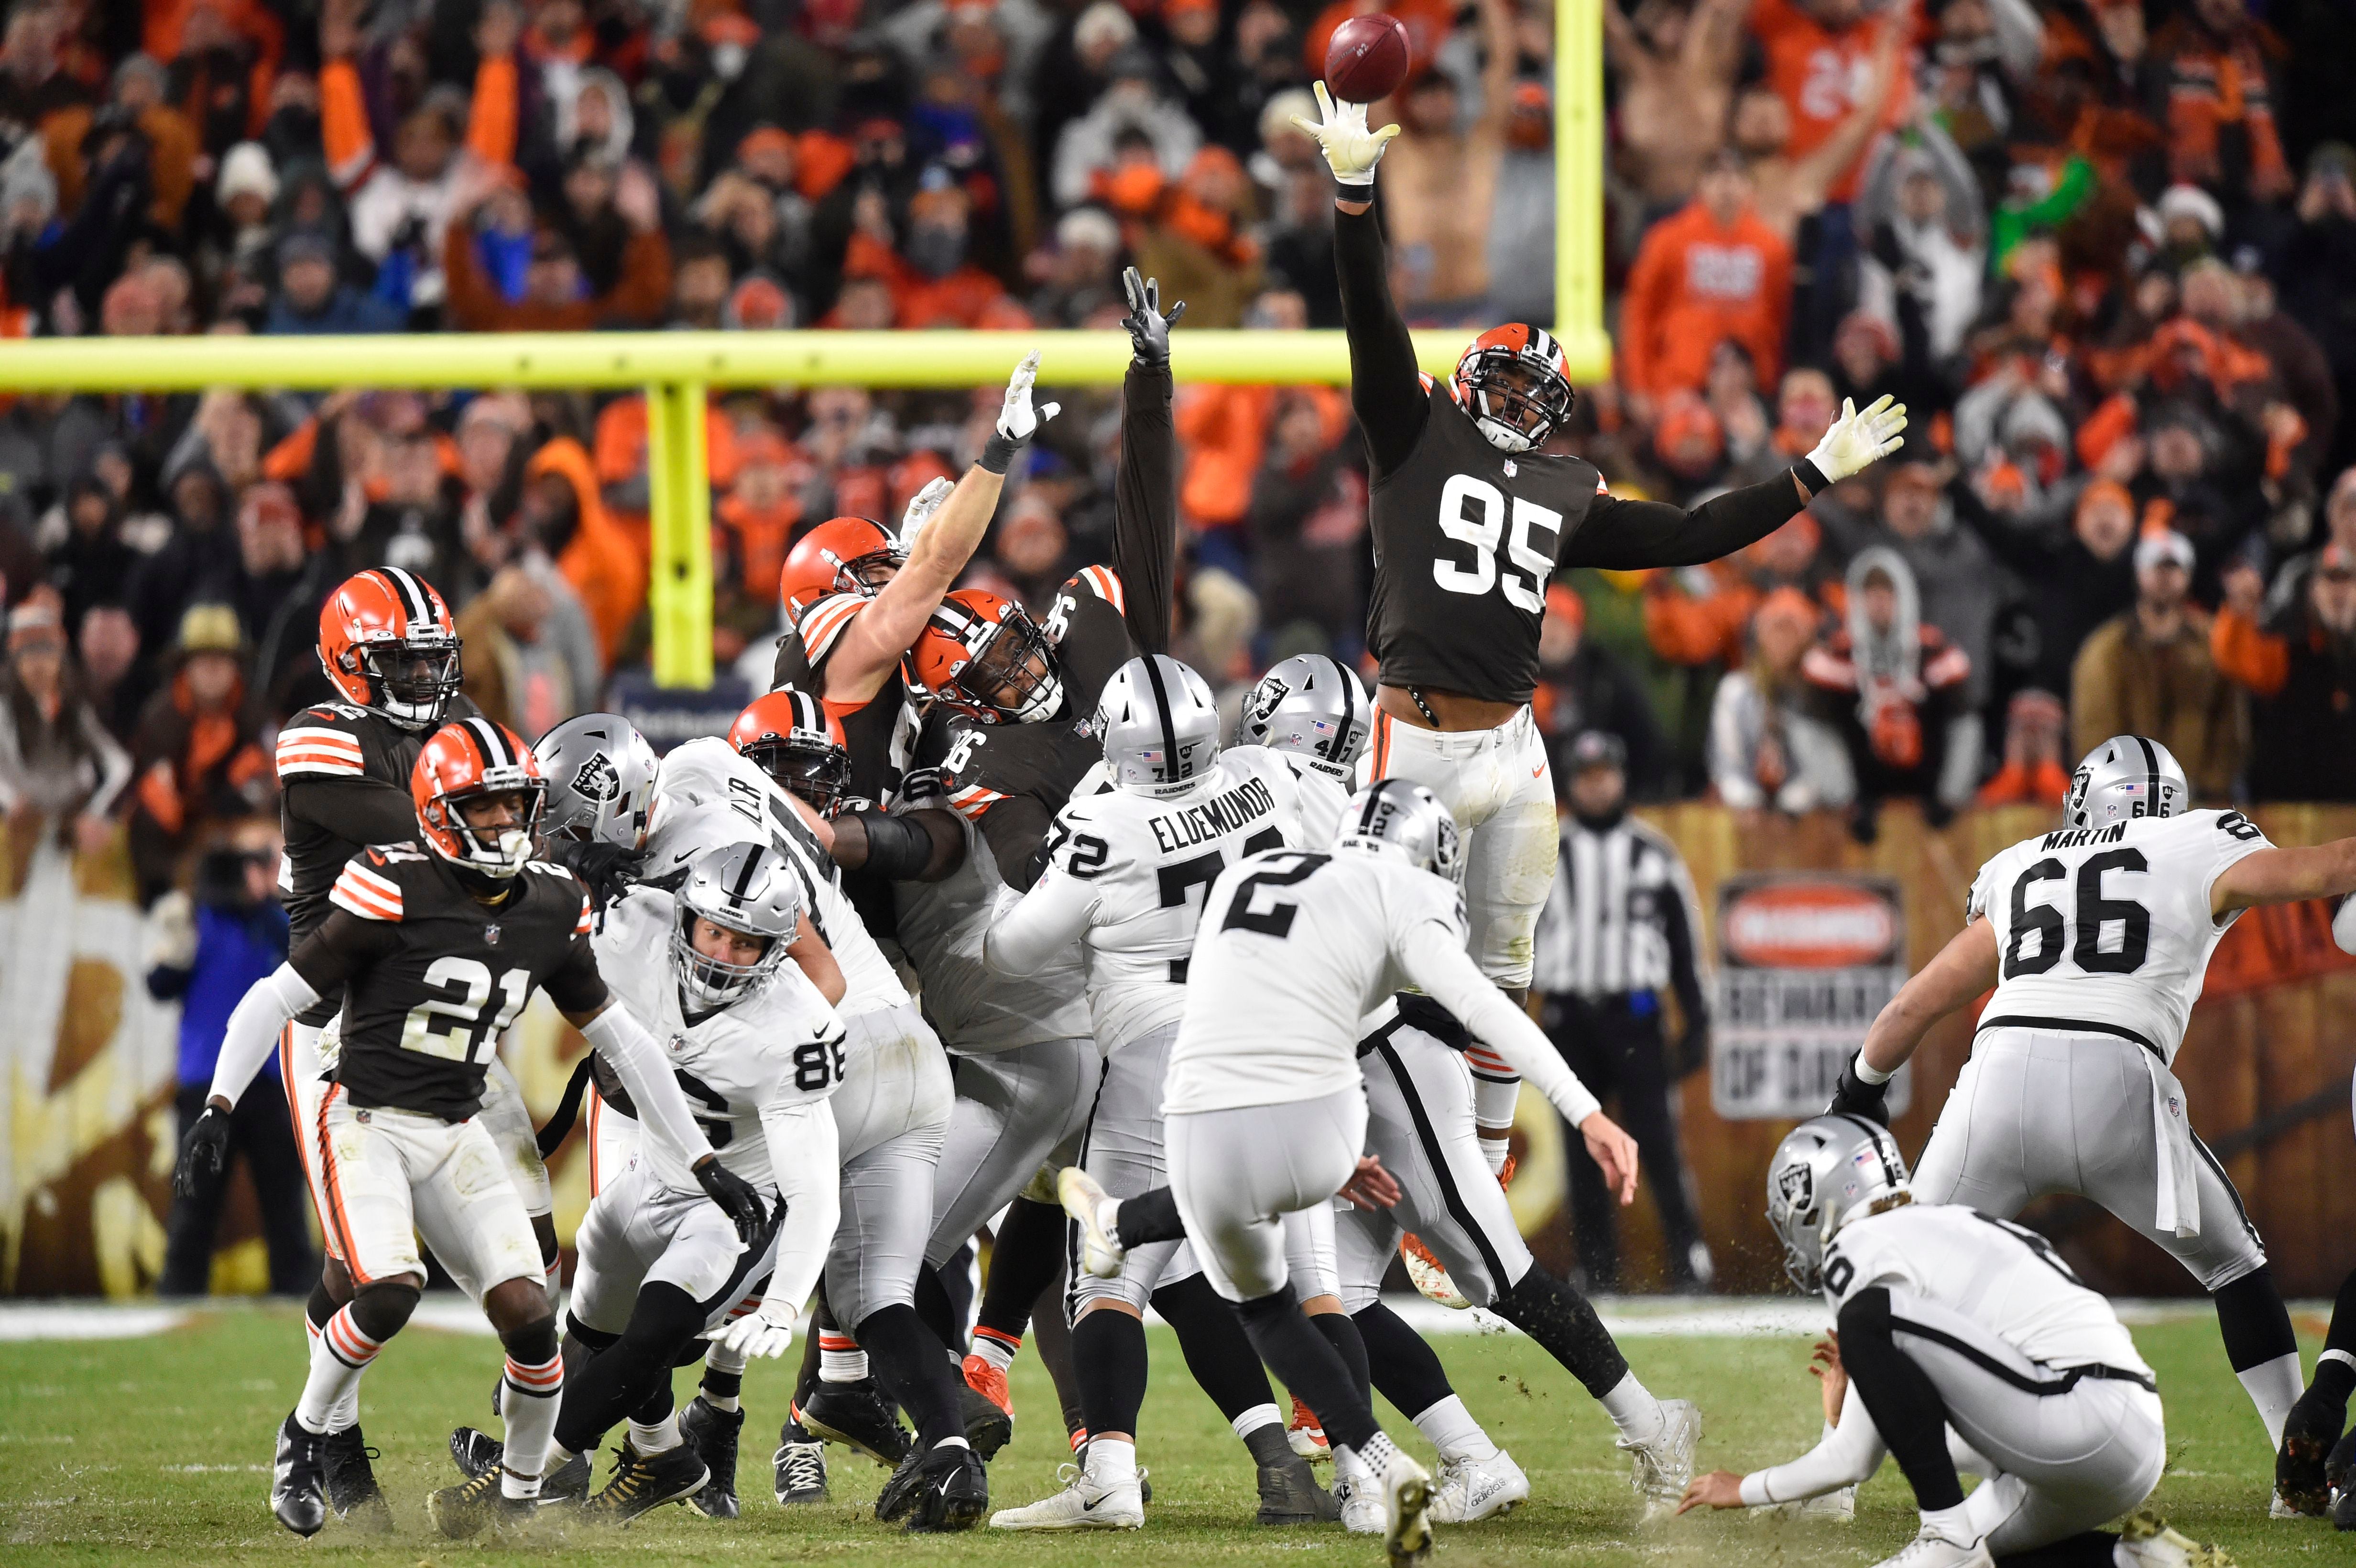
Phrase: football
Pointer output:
(1367, 59)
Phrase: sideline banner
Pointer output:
(1806, 961)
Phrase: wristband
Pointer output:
(998, 452)
(1811, 477)
(1868, 1075)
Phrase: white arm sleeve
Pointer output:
(637, 1061)
(805, 1158)
(1847, 1454)
(253, 1027)
(1436, 963)
(1040, 927)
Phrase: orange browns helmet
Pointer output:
(460, 762)
(1515, 383)
(841, 555)
(791, 737)
(387, 644)
(984, 656)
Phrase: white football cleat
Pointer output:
(1081, 1504)
(1930, 1550)
(1085, 1199)
(2147, 1541)
(1407, 1511)
(1475, 1489)
(1362, 1508)
(1429, 1275)
(1663, 1469)
(1304, 1437)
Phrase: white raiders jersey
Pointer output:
(1295, 948)
(2108, 929)
(2005, 1278)
(706, 795)
(1131, 869)
(975, 1009)
(1323, 802)
(779, 1048)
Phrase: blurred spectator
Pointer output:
(1895, 687)
(195, 753)
(57, 760)
(109, 649)
(211, 945)
(1677, 66)
(1133, 100)
(1766, 748)
(528, 666)
(1307, 512)
(1440, 181)
(1584, 686)
(1713, 271)
(2302, 679)
(2150, 672)
(2033, 771)
(310, 299)
(2218, 63)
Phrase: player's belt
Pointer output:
(2143, 1380)
(2067, 1025)
(1178, 967)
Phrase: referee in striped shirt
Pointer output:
(1619, 929)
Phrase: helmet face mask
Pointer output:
(465, 764)
(389, 645)
(1828, 1172)
(841, 555)
(984, 657)
(746, 889)
(865, 575)
(790, 737)
(1511, 380)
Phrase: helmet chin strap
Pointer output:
(1500, 435)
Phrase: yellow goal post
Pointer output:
(676, 370)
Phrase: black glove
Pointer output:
(605, 870)
(736, 1196)
(203, 1153)
(1693, 1051)
(1853, 1097)
(1149, 329)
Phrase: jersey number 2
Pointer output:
(455, 1027)
(1277, 918)
(2094, 913)
(1474, 512)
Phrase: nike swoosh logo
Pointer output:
(1539, 772)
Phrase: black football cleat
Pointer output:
(801, 1471)
(944, 1488)
(714, 1432)
(478, 1452)
(857, 1416)
(644, 1482)
(298, 1482)
(988, 1426)
(477, 1504)
(352, 1490)
(1289, 1494)
(2302, 1467)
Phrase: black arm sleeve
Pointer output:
(1685, 974)
(1623, 536)
(899, 848)
(342, 946)
(576, 988)
(1386, 388)
(1016, 830)
(358, 811)
(1145, 506)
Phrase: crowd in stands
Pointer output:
(2104, 250)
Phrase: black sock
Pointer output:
(960, 1286)
(2253, 1320)
(655, 1406)
(1024, 1260)
(1404, 1368)
(2337, 1378)
(320, 1307)
(1218, 1352)
(1902, 1399)
(913, 1368)
(1564, 1322)
(1108, 1354)
(933, 1306)
(1341, 1333)
(2089, 1549)
(621, 1379)
(1148, 1217)
(1310, 1366)
(1051, 1338)
(1268, 1446)
(718, 1384)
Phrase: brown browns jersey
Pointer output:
(430, 975)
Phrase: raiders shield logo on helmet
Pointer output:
(598, 780)
(1797, 1184)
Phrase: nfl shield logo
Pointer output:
(491, 933)
(1510, 469)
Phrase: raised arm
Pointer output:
(1145, 484)
(871, 647)
(1813, 175)
(817, 962)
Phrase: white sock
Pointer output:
(1633, 1409)
(339, 1354)
(953, 1443)
(1952, 1523)
(554, 1277)
(1111, 1461)
(1373, 1459)
(1493, 1111)
(1257, 1416)
(1451, 1429)
(528, 1404)
(996, 1349)
(728, 1403)
(840, 1360)
(2274, 1387)
(721, 1359)
(347, 1412)
(661, 1437)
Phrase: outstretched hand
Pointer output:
(1149, 329)
(204, 1155)
(1720, 1488)
(1017, 419)
(1857, 441)
(1351, 150)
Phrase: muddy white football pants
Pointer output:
(1014, 1109)
(638, 1231)
(1122, 1148)
(392, 1177)
(1238, 1175)
(891, 1114)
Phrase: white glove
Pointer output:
(921, 508)
(1857, 441)
(757, 1333)
(1351, 149)
(2343, 924)
(1017, 421)
(172, 932)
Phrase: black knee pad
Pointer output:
(321, 1306)
(1272, 1308)
(379, 1310)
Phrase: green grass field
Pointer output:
(157, 1449)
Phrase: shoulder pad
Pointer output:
(826, 620)
(322, 743)
(365, 890)
(1102, 581)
